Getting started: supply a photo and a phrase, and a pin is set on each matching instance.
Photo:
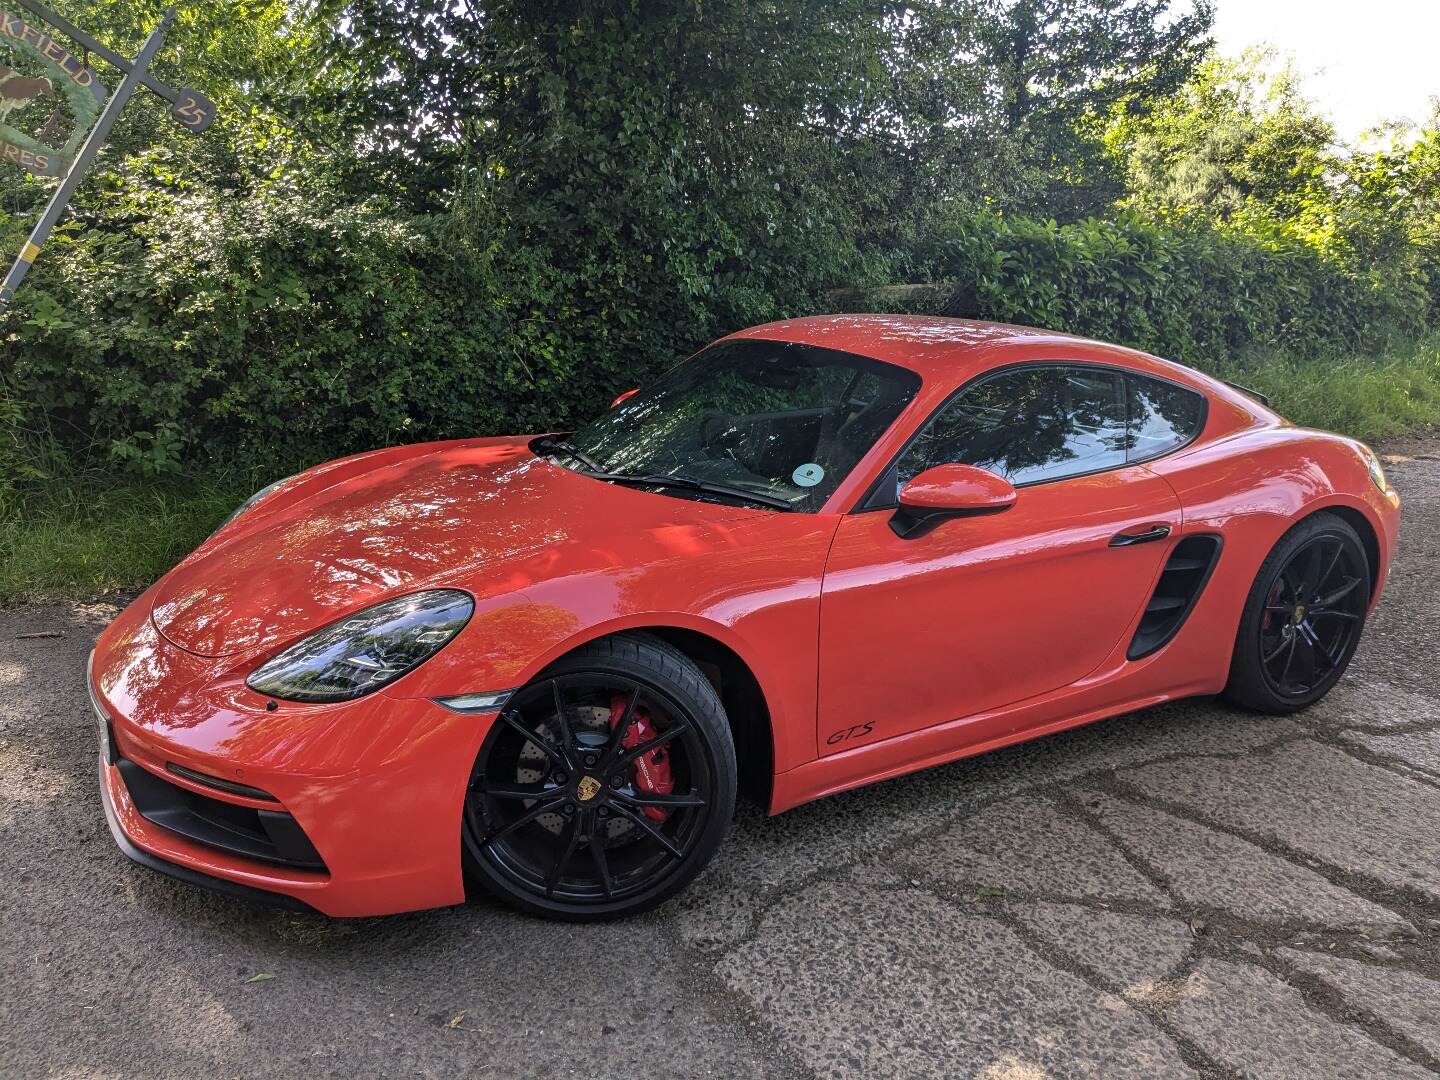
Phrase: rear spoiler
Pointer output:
(1246, 390)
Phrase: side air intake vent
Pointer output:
(1184, 576)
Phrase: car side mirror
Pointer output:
(626, 396)
(948, 491)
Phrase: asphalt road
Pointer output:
(1184, 891)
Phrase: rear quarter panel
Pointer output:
(1250, 487)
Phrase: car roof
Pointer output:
(949, 350)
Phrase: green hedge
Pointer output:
(284, 326)
(262, 327)
(285, 323)
(1194, 295)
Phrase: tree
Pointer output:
(1239, 137)
(715, 161)
(1240, 147)
(1389, 205)
(430, 86)
(1057, 65)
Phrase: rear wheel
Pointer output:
(1303, 617)
(606, 785)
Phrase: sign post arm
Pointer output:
(134, 78)
(110, 56)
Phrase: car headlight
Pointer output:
(1377, 471)
(268, 489)
(363, 652)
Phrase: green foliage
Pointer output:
(886, 106)
(83, 535)
(662, 102)
(289, 326)
(416, 219)
(1055, 66)
(1371, 397)
(280, 324)
(1239, 135)
(1389, 207)
(1197, 294)
(1239, 147)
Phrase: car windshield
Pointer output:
(780, 421)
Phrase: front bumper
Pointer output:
(349, 810)
(109, 793)
(1384, 516)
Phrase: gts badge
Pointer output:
(845, 734)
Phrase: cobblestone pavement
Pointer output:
(1184, 891)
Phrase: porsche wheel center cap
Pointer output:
(587, 788)
(1299, 615)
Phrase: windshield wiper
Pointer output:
(554, 442)
(685, 482)
(595, 470)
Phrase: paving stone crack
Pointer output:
(1206, 1066)
(1332, 1004)
(1404, 901)
(1143, 866)
(708, 988)
(1396, 765)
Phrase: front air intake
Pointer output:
(1185, 574)
(271, 836)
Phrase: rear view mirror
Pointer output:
(626, 396)
(948, 491)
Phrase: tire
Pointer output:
(570, 816)
(1303, 618)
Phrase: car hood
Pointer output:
(483, 515)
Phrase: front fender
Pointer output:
(761, 600)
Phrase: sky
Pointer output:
(1363, 61)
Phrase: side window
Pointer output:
(1162, 416)
(1029, 424)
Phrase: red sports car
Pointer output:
(817, 554)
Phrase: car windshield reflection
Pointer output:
(772, 423)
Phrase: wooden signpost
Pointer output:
(84, 92)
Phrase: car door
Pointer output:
(984, 611)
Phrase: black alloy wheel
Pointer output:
(1303, 618)
(604, 786)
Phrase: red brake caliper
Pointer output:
(652, 770)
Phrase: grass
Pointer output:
(1368, 397)
(86, 536)
(97, 533)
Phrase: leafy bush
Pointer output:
(1193, 294)
(286, 325)
(274, 325)
(411, 223)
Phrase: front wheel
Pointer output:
(605, 785)
(1302, 619)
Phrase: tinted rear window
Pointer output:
(1162, 416)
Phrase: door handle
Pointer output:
(1126, 539)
